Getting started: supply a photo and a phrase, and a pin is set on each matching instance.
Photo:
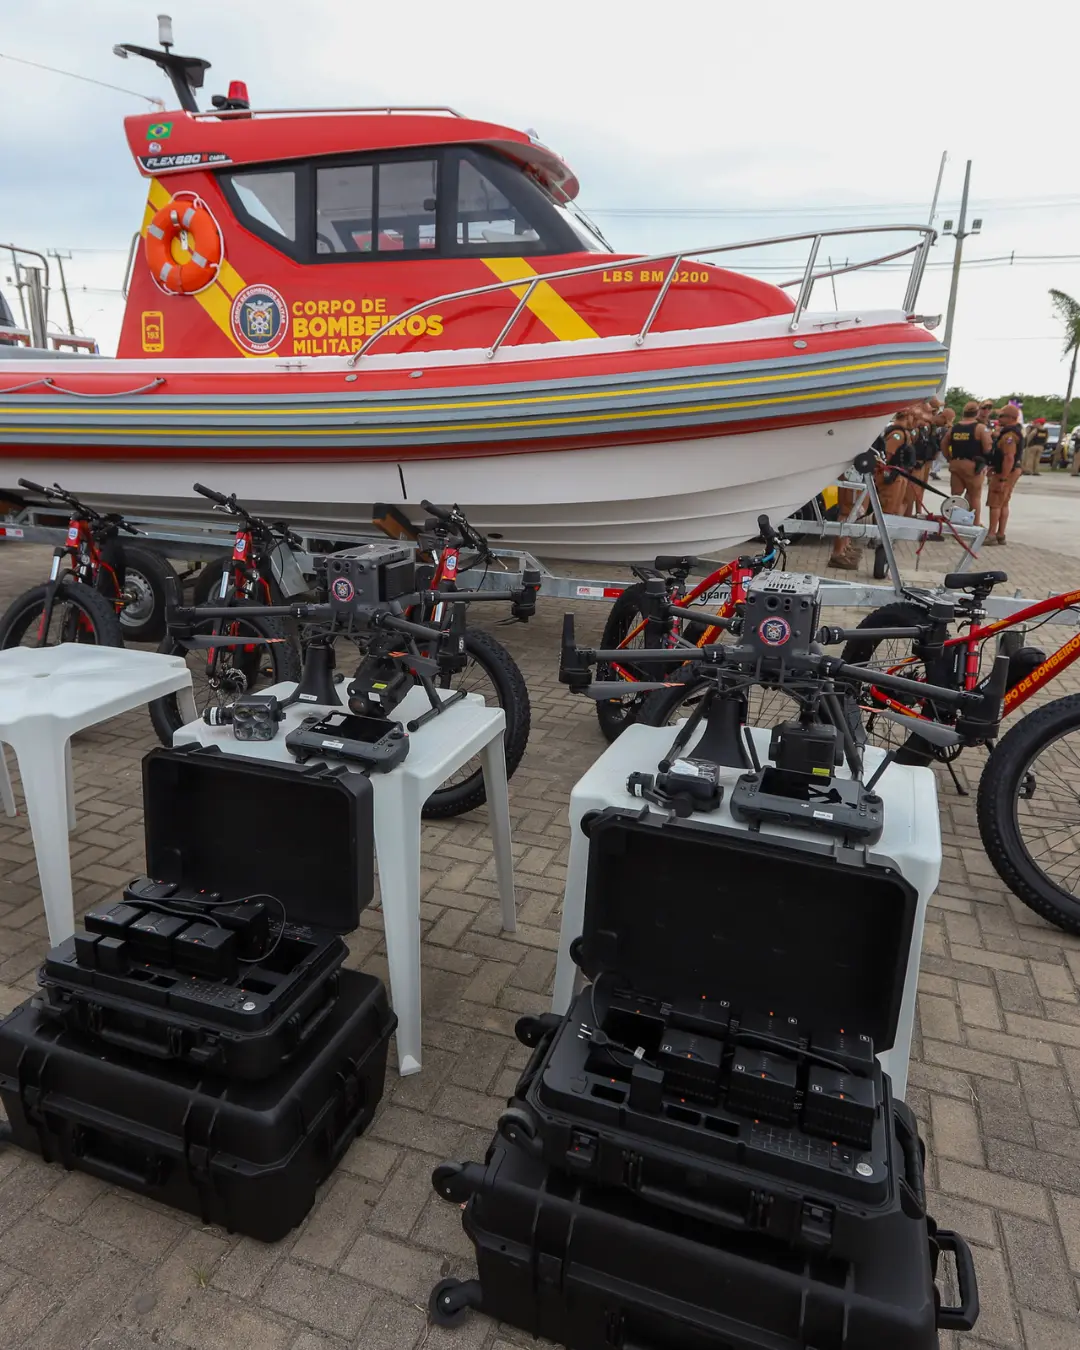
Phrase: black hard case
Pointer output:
(593, 1270)
(246, 1156)
(710, 1164)
(243, 827)
(247, 1028)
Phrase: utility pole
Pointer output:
(961, 234)
(63, 286)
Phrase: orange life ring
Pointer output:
(190, 215)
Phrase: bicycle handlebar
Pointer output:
(33, 487)
(766, 531)
(443, 513)
(211, 495)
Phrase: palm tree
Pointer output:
(1068, 311)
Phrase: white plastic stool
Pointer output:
(437, 750)
(7, 793)
(47, 694)
(911, 841)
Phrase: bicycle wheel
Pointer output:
(79, 614)
(615, 714)
(893, 654)
(219, 675)
(1028, 809)
(493, 672)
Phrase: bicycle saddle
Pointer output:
(974, 581)
(678, 562)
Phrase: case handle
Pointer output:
(695, 1209)
(912, 1183)
(962, 1316)
(129, 1040)
(148, 1178)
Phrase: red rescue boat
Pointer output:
(390, 304)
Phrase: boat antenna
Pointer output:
(186, 73)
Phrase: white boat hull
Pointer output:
(609, 504)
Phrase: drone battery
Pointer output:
(112, 920)
(151, 937)
(691, 1064)
(250, 921)
(113, 955)
(707, 1016)
(204, 949)
(782, 1031)
(839, 1106)
(762, 1085)
(144, 888)
(855, 1051)
(86, 950)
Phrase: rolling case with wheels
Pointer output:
(248, 1156)
(593, 1270)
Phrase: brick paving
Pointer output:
(995, 1079)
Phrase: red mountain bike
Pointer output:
(635, 620)
(100, 590)
(1028, 803)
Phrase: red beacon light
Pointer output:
(236, 100)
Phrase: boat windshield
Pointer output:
(583, 227)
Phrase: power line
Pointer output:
(54, 70)
(855, 209)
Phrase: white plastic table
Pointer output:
(911, 841)
(441, 747)
(47, 694)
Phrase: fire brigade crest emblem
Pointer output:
(260, 319)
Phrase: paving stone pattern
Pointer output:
(995, 1079)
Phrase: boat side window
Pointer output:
(265, 201)
(500, 210)
(382, 207)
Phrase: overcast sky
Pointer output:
(773, 117)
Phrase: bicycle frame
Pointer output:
(737, 572)
(971, 641)
(87, 563)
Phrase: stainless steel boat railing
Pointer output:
(919, 251)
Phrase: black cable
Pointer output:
(264, 895)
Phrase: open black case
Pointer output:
(240, 826)
(722, 1064)
(233, 829)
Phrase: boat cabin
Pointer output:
(304, 233)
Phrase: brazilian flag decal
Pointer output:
(160, 131)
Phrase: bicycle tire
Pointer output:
(148, 572)
(282, 665)
(997, 811)
(860, 651)
(512, 692)
(616, 714)
(94, 607)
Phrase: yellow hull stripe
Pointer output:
(217, 299)
(312, 432)
(545, 302)
(355, 408)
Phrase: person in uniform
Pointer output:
(1006, 466)
(1034, 445)
(968, 446)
